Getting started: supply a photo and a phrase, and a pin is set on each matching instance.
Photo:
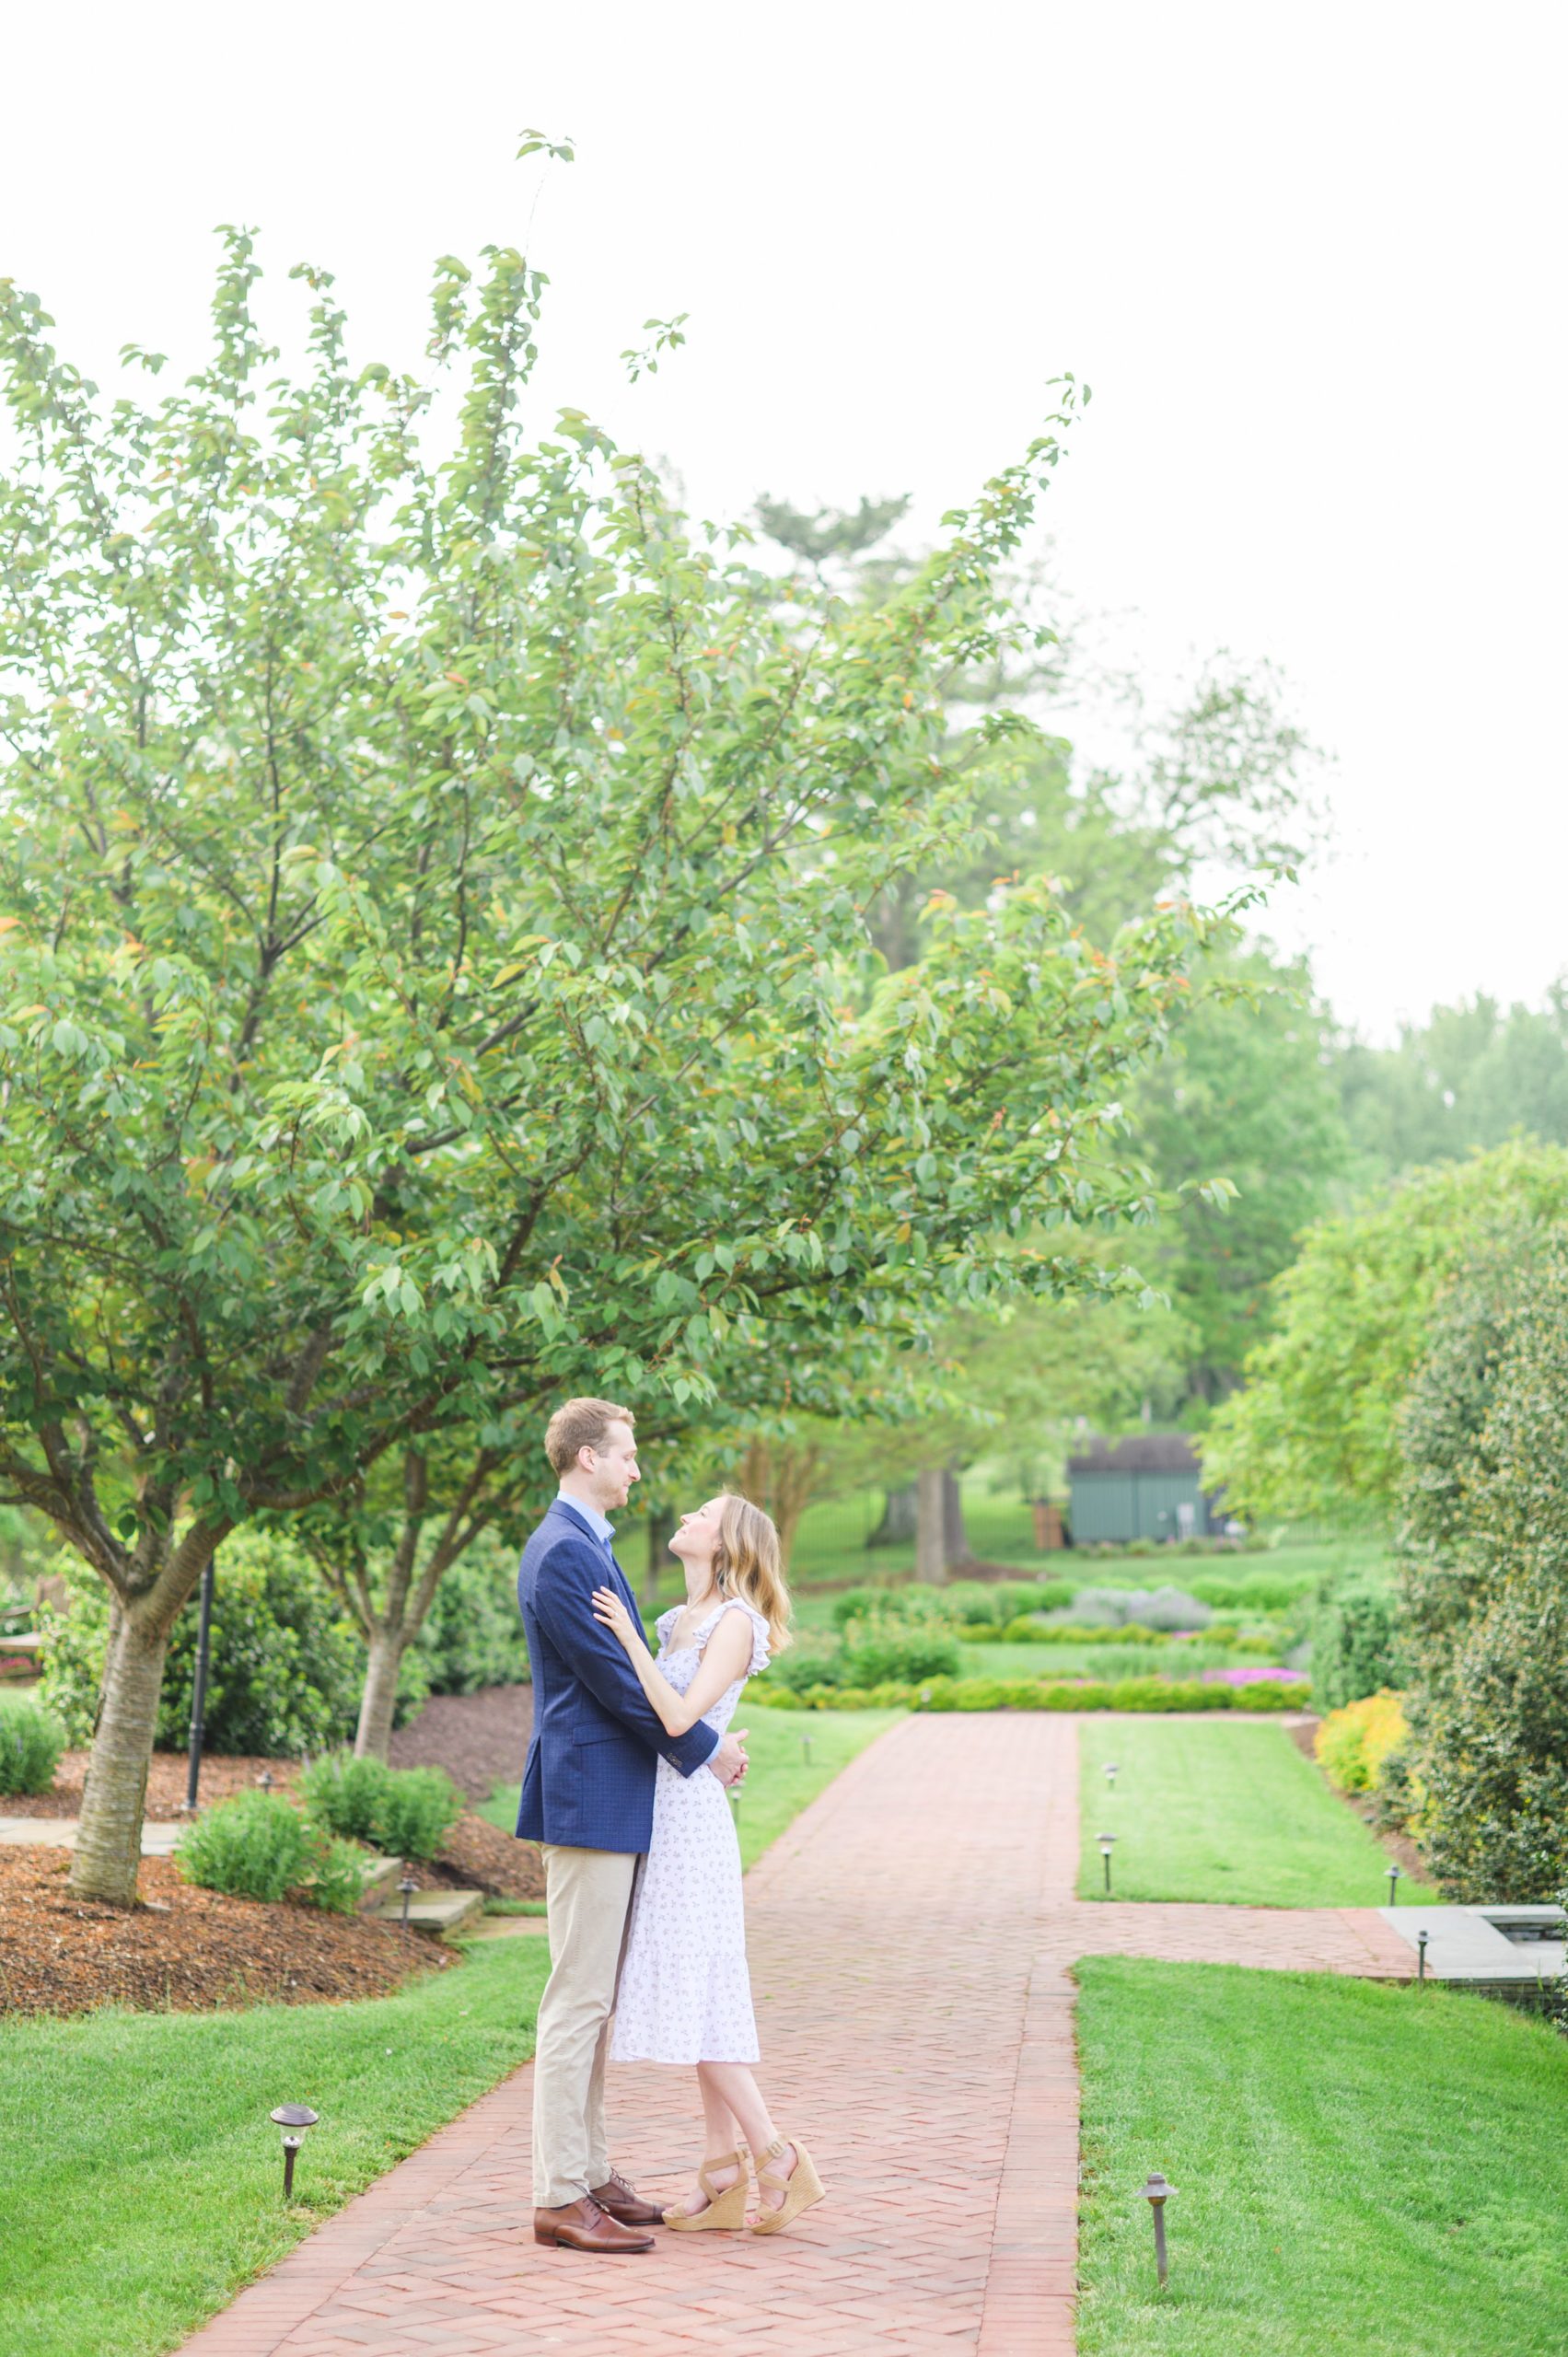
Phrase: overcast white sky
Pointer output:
(1310, 261)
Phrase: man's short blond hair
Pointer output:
(581, 1423)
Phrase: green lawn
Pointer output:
(780, 1781)
(140, 2176)
(1358, 2168)
(1221, 1809)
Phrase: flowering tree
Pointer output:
(434, 973)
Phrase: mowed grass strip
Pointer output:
(1224, 1809)
(1358, 2168)
(141, 2180)
(780, 1780)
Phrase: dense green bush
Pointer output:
(1360, 1642)
(255, 1846)
(286, 1665)
(1255, 1592)
(418, 1811)
(472, 1635)
(914, 1604)
(347, 1794)
(30, 1743)
(335, 1880)
(1484, 1540)
(407, 1812)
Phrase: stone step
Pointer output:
(436, 1911)
(380, 1882)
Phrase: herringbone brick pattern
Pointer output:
(910, 1937)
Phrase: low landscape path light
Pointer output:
(408, 1885)
(805, 1748)
(293, 2118)
(1156, 2193)
(1394, 1885)
(1106, 1841)
(1110, 1775)
(1421, 1955)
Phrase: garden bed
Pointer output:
(482, 1740)
(185, 1950)
(221, 1778)
(1402, 1848)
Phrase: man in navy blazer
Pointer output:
(588, 1801)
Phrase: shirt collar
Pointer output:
(603, 1531)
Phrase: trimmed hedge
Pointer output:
(1040, 1694)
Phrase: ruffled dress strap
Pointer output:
(760, 1652)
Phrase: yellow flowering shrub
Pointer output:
(1353, 1743)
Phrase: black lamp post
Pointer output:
(408, 1885)
(293, 2118)
(1106, 1842)
(1156, 2193)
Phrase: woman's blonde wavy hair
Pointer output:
(748, 1563)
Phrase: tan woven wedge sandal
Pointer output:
(726, 2204)
(800, 2188)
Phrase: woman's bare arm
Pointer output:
(727, 1657)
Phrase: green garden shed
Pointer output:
(1149, 1486)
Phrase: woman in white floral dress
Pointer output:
(684, 1993)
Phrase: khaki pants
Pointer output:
(588, 1893)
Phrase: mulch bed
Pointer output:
(481, 1739)
(479, 1856)
(166, 1784)
(185, 1950)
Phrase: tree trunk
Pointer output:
(782, 1480)
(109, 1839)
(661, 1530)
(899, 1514)
(955, 1542)
(379, 1695)
(940, 1545)
(931, 1535)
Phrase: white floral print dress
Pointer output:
(684, 1993)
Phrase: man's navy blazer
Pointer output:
(588, 1784)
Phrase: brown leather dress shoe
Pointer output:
(583, 2225)
(624, 2202)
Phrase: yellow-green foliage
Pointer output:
(1353, 1743)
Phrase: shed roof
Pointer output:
(1139, 1453)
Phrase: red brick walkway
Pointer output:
(910, 1937)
